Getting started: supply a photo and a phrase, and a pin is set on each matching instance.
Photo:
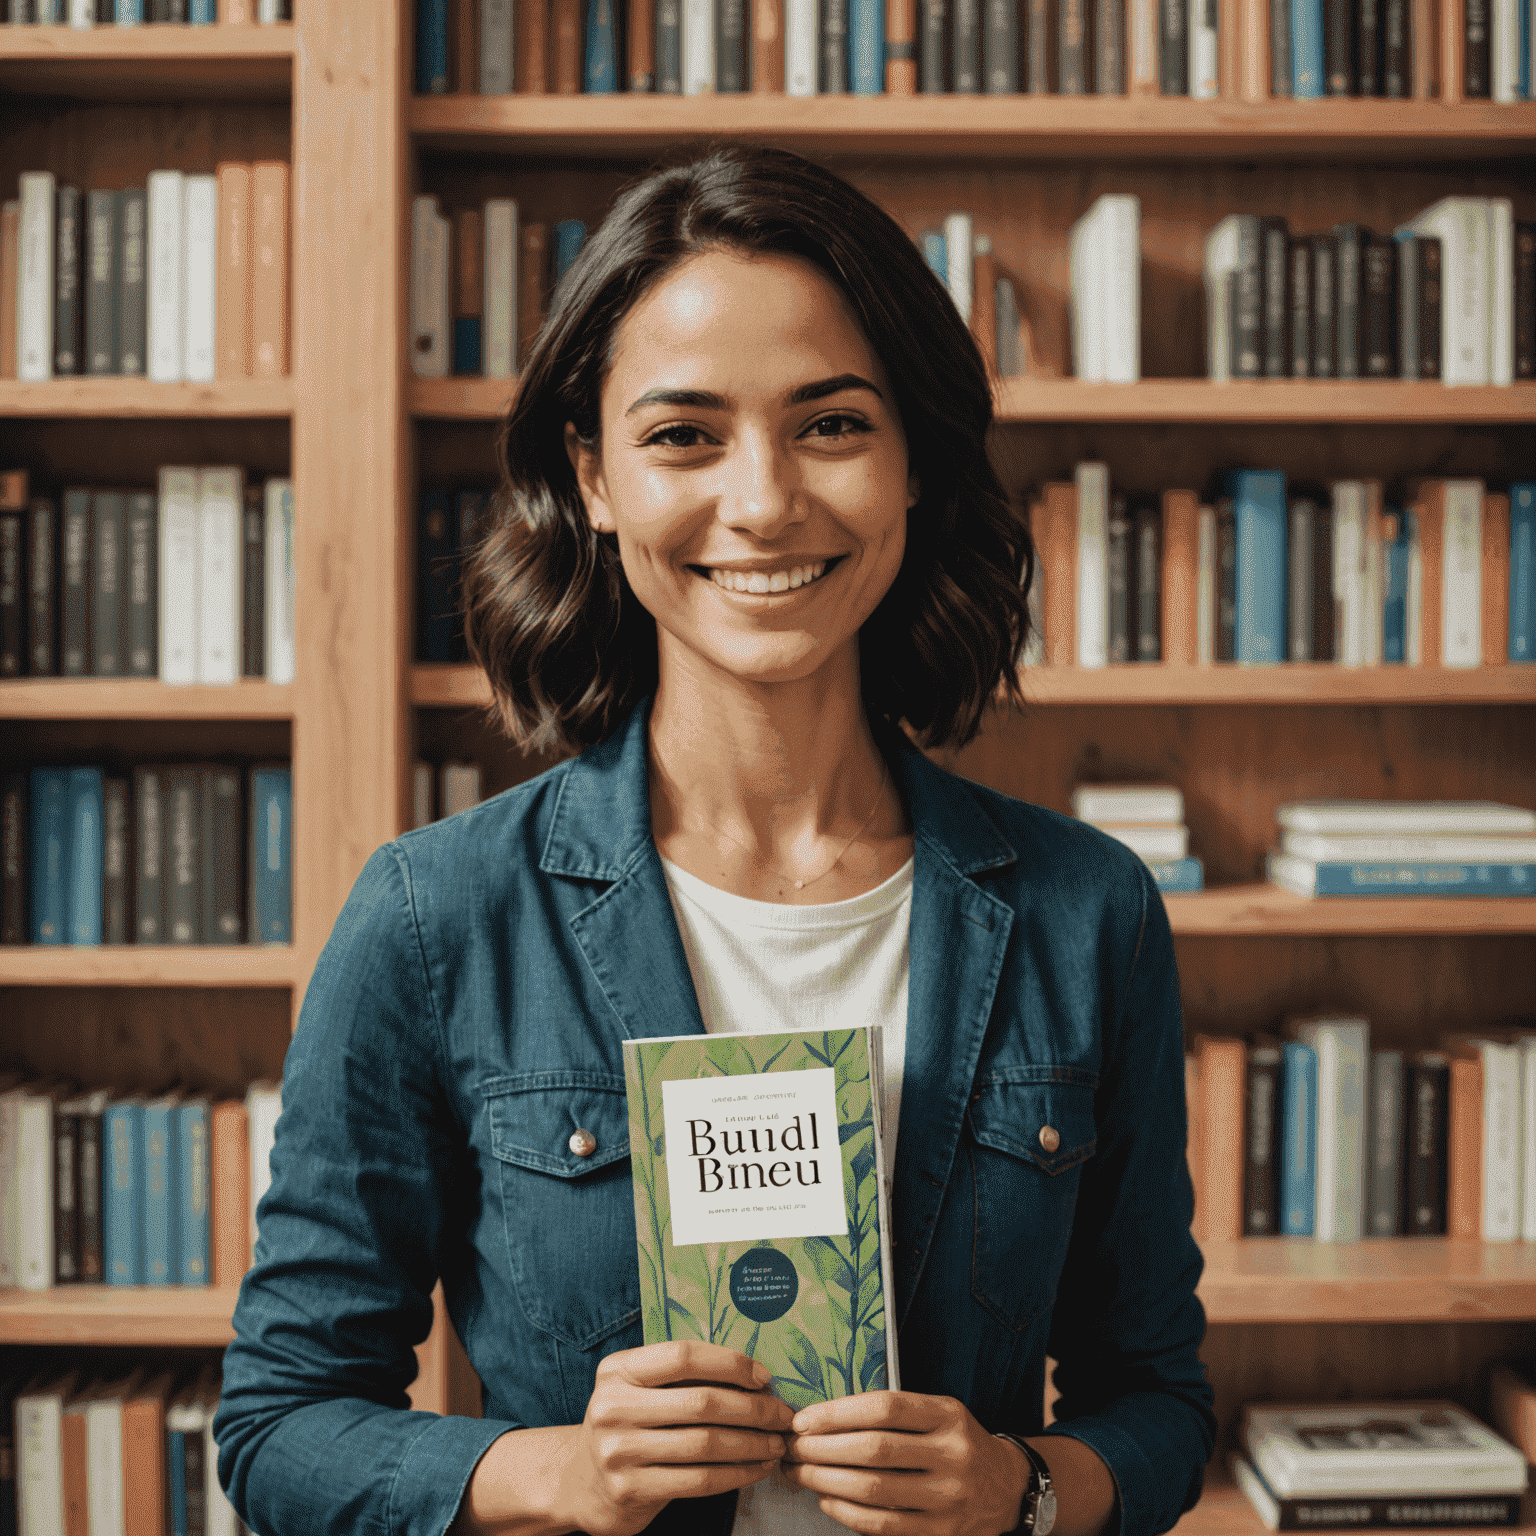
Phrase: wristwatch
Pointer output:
(1037, 1514)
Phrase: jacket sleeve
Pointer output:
(313, 1427)
(1128, 1326)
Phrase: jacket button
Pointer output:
(1050, 1138)
(583, 1143)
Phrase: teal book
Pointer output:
(269, 902)
(1258, 497)
(49, 847)
(1177, 875)
(84, 874)
(192, 1175)
(122, 1215)
(1298, 1139)
(161, 1249)
(761, 1203)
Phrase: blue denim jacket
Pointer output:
(466, 1016)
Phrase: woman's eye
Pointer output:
(838, 425)
(673, 437)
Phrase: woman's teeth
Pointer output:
(766, 581)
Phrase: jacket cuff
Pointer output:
(1136, 1483)
(430, 1481)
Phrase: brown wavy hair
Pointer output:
(567, 646)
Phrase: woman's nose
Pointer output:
(760, 491)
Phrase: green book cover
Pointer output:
(760, 1202)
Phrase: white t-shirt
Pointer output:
(760, 966)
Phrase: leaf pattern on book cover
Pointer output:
(832, 1340)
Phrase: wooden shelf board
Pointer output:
(450, 687)
(629, 127)
(1301, 401)
(1292, 683)
(1262, 909)
(151, 1316)
(140, 397)
(103, 698)
(147, 965)
(1223, 1511)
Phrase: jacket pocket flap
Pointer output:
(1050, 1123)
(535, 1115)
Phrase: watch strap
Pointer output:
(1039, 1483)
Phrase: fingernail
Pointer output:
(761, 1374)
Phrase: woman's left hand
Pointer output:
(903, 1464)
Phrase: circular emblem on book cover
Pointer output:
(764, 1284)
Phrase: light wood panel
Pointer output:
(147, 965)
(140, 1316)
(77, 397)
(82, 698)
(148, 62)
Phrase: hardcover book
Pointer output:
(761, 1203)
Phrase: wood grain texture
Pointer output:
(139, 1317)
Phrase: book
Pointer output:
(269, 269)
(232, 342)
(1000, 48)
(1402, 817)
(182, 860)
(75, 583)
(500, 299)
(1173, 48)
(161, 1202)
(1298, 1139)
(1128, 803)
(1206, 586)
(192, 1264)
(1299, 280)
(1378, 263)
(48, 846)
(1493, 643)
(15, 919)
(1261, 1140)
(77, 1194)
(68, 310)
(35, 281)
(801, 1281)
(1512, 1407)
(132, 292)
(200, 216)
(114, 862)
(1462, 227)
(278, 581)
(1302, 518)
(1151, 844)
(263, 1104)
(1178, 875)
(220, 543)
(1121, 593)
(468, 289)
(253, 585)
(165, 312)
(32, 1173)
(1260, 511)
(1522, 571)
(185, 1423)
(1426, 1085)
(1353, 847)
(1348, 240)
(1058, 569)
(13, 595)
(84, 863)
(1233, 243)
(866, 47)
(39, 1414)
(1092, 481)
(1147, 562)
(496, 48)
(1222, 1065)
(1178, 599)
(1501, 1159)
(106, 623)
(220, 838)
(1312, 877)
(1342, 1047)
(269, 894)
(1464, 1144)
(10, 284)
(143, 1463)
(178, 569)
(432, 47)
(148, 856)
(140, 599)
(122, 1204)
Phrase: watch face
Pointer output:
(1045, 1513)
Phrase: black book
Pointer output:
(1324, 616)
(133, 248)
(934, 47)
(965, 52)
(1148, 541)
(669, 47)
(159, 10)
(1173, 47)
(1274, 250)
(1426, 1083)
(13, 857)
(1324, 288)
(731, 75)
(1072, 54)
(1396, 56)
(1338, 47)
(114, 861)
(1479, 53)
(1226, 580)
(1301, 521)
(101, 281)
(1245, 295)
(1525, 301)
(221, 840)
(1261, 1142)
(92, 1267)
(148, 856)
(75, 584)
(1348, 245)
(1368, 49)
(1109, 47)
(13, 595)
(832, 71)
(109, 565)
(42, 589)
(253, 598)
(181, 830)
(68, 310)
(66, 1197)
(1429, 306)
(1408, 307)
(1368, 1512)
(143, 596)
(1300, 257)
(1000, 48)
(178, 10)
(1040, 28)
(1121, 588)
(1280, 85)
(1380, 284)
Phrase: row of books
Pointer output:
(192, 853)
(444, 789)
(1149, 820)
(130, 1453)
(136, 13)
(1404, 848)
(1265, 575)
(1079, 47)
(106, 1187)
(1449, 295)
(446, 527)
(1311, 1133)
(186, 277)
(190, 585)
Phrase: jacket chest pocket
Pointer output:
(1027, 1143)
(560, 1141)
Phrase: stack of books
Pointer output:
(447, 527)
(1149, 820)
(1375, 1465)
(1404, 848)
(185, 277)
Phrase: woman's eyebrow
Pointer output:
(708, 400)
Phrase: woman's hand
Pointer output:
(902, 1464)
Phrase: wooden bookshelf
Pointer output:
(147, 965)
(138, 1316)
(1262, 910)
(140, 397)
(95, 698)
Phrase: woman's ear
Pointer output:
(588, 465)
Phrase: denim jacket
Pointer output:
(467, 1015)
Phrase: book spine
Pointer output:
(253, 595)
(114, 856)
(1324, 292)
(1092, 565)
(434, 550)
(1246, 290)
(42, 589)
(221, 838)
(1309, 76)
(1501, 282)
(1173, 51)
(1038, 53)
(1109, 48)
(1367, 80)
(866, 47)
(432, 47)
(500, 301)
(1226, 580)
(1299, 558)
(92, 1261)
(10, 265)
(220, 539)
(13, 601)
(640, 44)
(566, 39)
(669, 47)
(1429, 327)
(269, 269)
(140, 597)
(1388, 1145)
(68, 314)
(1300, 282)
(230, 1161)
(1338, 47)
(1058, 563)
(698, 46)
(1275, 343)
(832, 53)
(1342, 1073)
(1223, 1070)
(148, 856)
(1148, 552)
(1261, 1144)
(1347, 307)
(1502, 1149)
(1461, 579)
(1298, 1135)
(1522, 572)
(1380, 261)
(270, 901)
(1407, 306)
(66, 1199)
(278, 626)
(1397, 554)
(1396, 59)
(1478, 57)
(14, 928)
(75, 585)
(1071, 66)
(192, 1186)
(1183, 875)
(532, 261)
(200, 221)
(1260, 513)
(34, 1171)
(1280, 49)
(600, 75)
(1429, 522)
(932, 54)
(1419, 877)
(107, 617)
(1179, 598)
(182, 856)
(35, 283)
(1367, 1513)
(232, 320)
(83, 871)
(160, 1204)
(123, 1194)
(495, 61)
(1204, 50)
(1494, 642)
(1119, 577)
(1525, 301)
(132, 295)
(1000, 48)
(1464, 1148)
(178, 570)
(166, 302)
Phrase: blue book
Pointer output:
(435, 600)
(1258, 497)
(601, 76)
(176, 1479)
(270, 898)
(936, 254)
(1394, 603)
(1179, 874)
(84, 870)
(192, 1176)
(570, 236)
(122, 1195)
(432, 47)
(1522, 571)
(1298, 1139)
(1307, 69)
(866, 47)
(129, 13)
(203, 13)
(466, 345)
(161, 1247)
(1309, 877)
(49, 847)
(1523, 83)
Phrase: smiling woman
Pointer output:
(748, 543)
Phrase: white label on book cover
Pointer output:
(754, 1156)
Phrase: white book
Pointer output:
(1413, 600)
(1501, 281)
(1112, 325)
(500, 305)
(1502, 1143)
(1392, 817)
(1205, 588)
(1092, 565)
(1204, 54)
(40, 1459)
(1153, 845)
(959, 252)
(429, 290)
(1433, 848)
(460, 788)
(1461, 225)
(1461, 582)
(201, 220)
(1504, 52)
(698, 28)
(10, 1208)
(34, 1190)
(104, 1461)
(1343, 1073)
(180, 569)
(221, 502)
(1349, 587)
(1147, 804)
(82, 13)
(1034, 643)
(34, 288)
(263, 1104)
(269, 12)
(1373, 565)
(279, 582)
(496, 47)
(165, 322)
(1527, 1045)
(421, 794)
(1221, 259)
(801, 32)
(1086, 275)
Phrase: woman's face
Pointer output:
(752, 464)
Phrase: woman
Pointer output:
(749, 529)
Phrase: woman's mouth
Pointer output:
(786, 578)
